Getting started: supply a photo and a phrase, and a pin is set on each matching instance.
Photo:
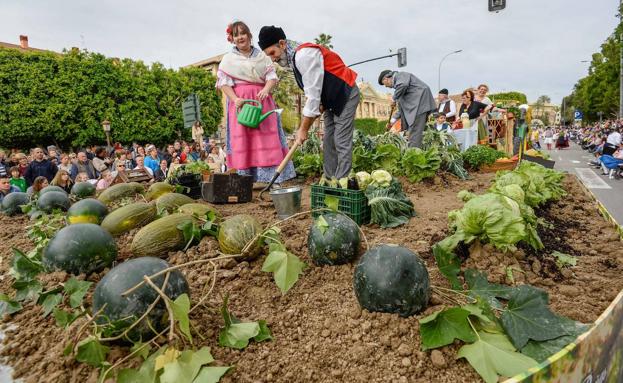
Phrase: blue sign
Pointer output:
(578, 115)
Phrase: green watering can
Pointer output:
(250, 115)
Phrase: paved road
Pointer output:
(609, 192)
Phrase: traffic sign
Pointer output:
(578, 115)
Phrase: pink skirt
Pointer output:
(249, 148)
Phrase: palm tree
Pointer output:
(324, 40)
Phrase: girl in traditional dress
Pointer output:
(247, 73)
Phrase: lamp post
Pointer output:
(106, 127)
(439, 70)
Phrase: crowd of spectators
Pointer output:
(604, 141)
(31, 172)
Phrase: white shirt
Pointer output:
(614, 138)
(310, 64)
(452, 112)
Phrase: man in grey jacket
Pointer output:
(415, 102)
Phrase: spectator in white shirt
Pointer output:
(613, 142)
(140, 164)
(446, 106)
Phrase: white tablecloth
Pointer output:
(466, 137)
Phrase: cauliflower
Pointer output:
(363, 179)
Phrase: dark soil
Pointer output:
(320, 333)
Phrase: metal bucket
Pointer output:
(287, 201)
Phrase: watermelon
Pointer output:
(88, 210)
(129, 217)
(392, 279)
(124, 311)
(236, 232)
(34, 214)
(333, 240)
(51, 188)
(80, 248)
(83, 190)
(170, 202)
(53, 200)
(12, 203)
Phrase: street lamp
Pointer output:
(439, 70)
(106, 127)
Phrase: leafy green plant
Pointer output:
(418, 164)
(307, 165)
(387, 157)
(478, 155)
(237, 334)
(389, 206)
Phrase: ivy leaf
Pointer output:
(143, 349)
(332, 202)
(8, 306)
(146, 373)
(237, 334)
(480, 287)
(449, 265)
(24, 267)
(27, 290)
(211, 374)
(322, 224)
(76, 290)
(442, 327)
(563, 259)
(285, 266)
(50, 302)
(186, 367)
(272, 235)
(180, 307)
(527, 316)
(64, 318)
(492, 355)
(540, 351)
(91, 352)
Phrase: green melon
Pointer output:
(88, 210)
(119, 191)
(125, 310)
(236, 232)
(170, 202)
(80, 248)
(129, 217)
(160, 236)
(158, 189)
(52, 188)
(198, 209)
(333, 240)
(392, 279)
(53, 200)
(83, 190)
(12, 203)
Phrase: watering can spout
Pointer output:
(263, 116)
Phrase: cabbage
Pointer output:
(363, 179)
(389, 206)
(381, 178)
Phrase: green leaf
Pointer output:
(64, 318)
(91, 352)
(50, 302)
(540, 351)
(236, 334)
(332, 202)
(185, 368)
(24, 267)
(442, 327)
(285, 266)
(492, 355)
(527, 316)
(211, 374)
(76, 291)
(143, 349)
(449, 265)
(479, 286)
(322, 224)
(264, 333)
(8, 306)
(476, 311)
(27, 290)
(272, 235)
(180, 308)
(563, 259)
(187, 229)
(68, 349)
(146, 373)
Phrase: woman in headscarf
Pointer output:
(246, 73)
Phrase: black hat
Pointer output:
(384, 74)
(444, 91)
(270, 35)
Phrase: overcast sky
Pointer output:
(533, 46)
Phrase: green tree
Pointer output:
(324, 40)
(62, 98)
(544, 100)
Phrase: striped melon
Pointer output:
(161, 236)
(198, 209)
(158, 189)
(170, 202)
(118, 191)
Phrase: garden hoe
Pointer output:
(280, 168)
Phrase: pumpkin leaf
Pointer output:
(442, 327)
(237, 334)
(479, 286)
(76, 290)
(27, 290)
(285, 266)
(8, 306)
(24, 267)
(211, 374)
(492, 355)
(540, 351)
(180, 307)
(50, 302)
(332, 202)
(527, 316)
(91, 352)
(449, 265)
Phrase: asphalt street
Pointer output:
(609, 192)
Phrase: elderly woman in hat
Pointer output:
(247, 73)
